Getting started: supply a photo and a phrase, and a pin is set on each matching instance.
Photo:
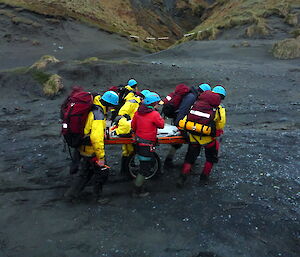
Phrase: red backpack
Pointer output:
(74, 112)
(173, 100)
(204, 109)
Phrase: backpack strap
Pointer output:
(98, 113)
(133, 101)
(219, 112)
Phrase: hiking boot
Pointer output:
(168, 163)
(181, 180)
(140, 192)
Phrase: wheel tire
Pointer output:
(133, 167)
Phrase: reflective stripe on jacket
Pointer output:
(220, 120)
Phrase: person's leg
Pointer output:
(168, 163)
(189, 160)
(100, 177)
(80, 181)
(211, 155)
(76, 157)
(145, 156)
(127, 151)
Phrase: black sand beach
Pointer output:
(250, 207)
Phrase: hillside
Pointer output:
(157, 24)
(144, 19)
(267, 19)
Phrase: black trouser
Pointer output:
(146, 156)
(211, 152)
(76, 157)
(89, 171)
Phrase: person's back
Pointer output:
(208, 142)
(146, 121)
(184, 107)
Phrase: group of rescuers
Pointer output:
(139, 110)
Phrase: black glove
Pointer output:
(116, 120)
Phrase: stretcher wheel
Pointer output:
(133, 166)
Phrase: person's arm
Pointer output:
(133, 122)
(221, 118)
(159, 121)
(184, 107)
(125, 109)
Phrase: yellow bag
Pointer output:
(195, 128)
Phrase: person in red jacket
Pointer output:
(145, 123)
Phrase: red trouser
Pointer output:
(211, 155)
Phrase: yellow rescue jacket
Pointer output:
(129, 108)
(95, 129)
(220, 121)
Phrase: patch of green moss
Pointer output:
(7, 13)
(53, 86)
(40, 76)
(18, 20)
(88, 60)
(296, 33)
(18, 70)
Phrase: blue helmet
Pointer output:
(110, 97)
(204, 87)
(132, 82)
(145, 92)
(151, 98)
(219, 90)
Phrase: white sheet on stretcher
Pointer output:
(167, 131)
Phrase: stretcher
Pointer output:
(168, 135)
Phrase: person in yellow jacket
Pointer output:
(92, 162)
(123, 121)
(209, 143)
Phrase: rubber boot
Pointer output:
(205, 172)
(186, 169)
(139, 189)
